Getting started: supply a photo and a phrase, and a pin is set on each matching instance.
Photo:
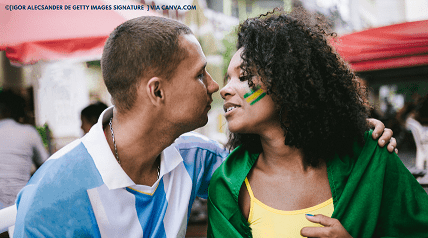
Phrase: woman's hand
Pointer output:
(384, 133)
(332, 227)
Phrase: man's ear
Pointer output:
(155, 90)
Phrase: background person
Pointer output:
(20, 147)
(417, 123)
(90, 114)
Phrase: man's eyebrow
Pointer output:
(203, 66)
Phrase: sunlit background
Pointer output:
(58, 83)
(52, 58)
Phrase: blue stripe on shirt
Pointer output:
(194, 151)
(58, 189)
(151, 217)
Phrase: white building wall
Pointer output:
(366, 14)
(377, 13)
(416, 10)
(60, 93)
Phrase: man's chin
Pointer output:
(200, 123)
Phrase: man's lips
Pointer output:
(209, 103)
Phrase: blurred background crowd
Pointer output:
(50, 67)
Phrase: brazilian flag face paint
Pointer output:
(254, 95)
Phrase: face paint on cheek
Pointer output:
(254, 95)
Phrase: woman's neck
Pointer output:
(277, 155)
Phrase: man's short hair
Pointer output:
(93, 112)
(143, 47)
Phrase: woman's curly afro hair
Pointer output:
(318, 98)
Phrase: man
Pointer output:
(131, 179)
(90, 114)
(134, 174)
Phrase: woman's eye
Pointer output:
(243, 78)
(246, 76)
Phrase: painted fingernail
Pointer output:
(376, 135)
(309, 215)
(396, 150)
(383, 142)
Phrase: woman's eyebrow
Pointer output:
(226, 78)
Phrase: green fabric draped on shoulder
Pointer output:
(374, 195)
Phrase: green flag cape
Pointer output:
(374, 195)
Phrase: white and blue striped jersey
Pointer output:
(81, 191)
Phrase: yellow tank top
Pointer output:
(266, 221)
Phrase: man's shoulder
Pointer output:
(66, 158)
(69, 169)
(191, 140)
(57, 192)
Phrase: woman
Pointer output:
(297, 119)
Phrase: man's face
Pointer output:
(188, 97)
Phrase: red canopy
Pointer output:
(394, 46)
(28, 36)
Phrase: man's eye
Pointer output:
(201, 76)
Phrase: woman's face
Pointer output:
(247, 110)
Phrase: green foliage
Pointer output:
(43, 130)
(94, 63)
(229, 43)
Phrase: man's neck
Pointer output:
(139, 141)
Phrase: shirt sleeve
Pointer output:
(201, 156)
(212, 160)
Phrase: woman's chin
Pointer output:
(233, 129)
(238, 129)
